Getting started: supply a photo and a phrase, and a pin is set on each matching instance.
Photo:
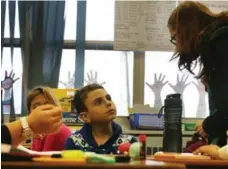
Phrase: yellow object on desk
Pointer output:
(59, 160)
(68, 154)
(76, 156)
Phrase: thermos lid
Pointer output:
(176, 95)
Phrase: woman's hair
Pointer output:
(189, 21)
(46, 91)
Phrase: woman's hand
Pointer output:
(208, 150)
(45, 119)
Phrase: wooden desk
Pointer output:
(149, 164)
(131, 165)
(198, 164)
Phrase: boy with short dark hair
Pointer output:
(99, 133)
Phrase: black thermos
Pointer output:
(172, 136)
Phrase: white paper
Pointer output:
(142, 25)
(44, 153)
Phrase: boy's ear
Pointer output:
(84, 117)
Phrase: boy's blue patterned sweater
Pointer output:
(83, 140)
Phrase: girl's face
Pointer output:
(38, 101)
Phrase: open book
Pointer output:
(5, 148)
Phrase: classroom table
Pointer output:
(150, 163)
(196, 164)
(51, 165)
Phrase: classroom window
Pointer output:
(195, 102)
(17, 30)
(67, 69)
(70, 19)
(100, 20)
(16, 66)
(7, 30)
(115, 69)
(16, 23)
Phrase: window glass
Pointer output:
(100, 20)
(115, 69)
(195, 102)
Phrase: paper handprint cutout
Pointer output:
(179, 87)
(92, 78)
(70, 81)
(8, 99)
(201, 108)
(7, 85)
(181, 84)
(156, 87)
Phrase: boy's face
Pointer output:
(100, 107)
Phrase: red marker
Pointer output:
(142, 140)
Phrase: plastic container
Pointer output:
(146, 121)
